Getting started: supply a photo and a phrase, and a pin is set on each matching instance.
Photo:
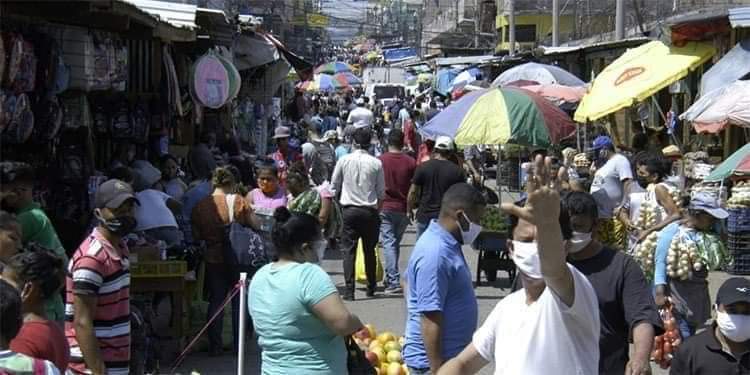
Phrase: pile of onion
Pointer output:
(682, 257)
(644, 254)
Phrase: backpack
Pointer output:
(71, 156)
(21, 123)
(139, 122)
(120, 125)
(242, 246)
(335, 224)
(76, 110)
(22, 69)
(49, 119)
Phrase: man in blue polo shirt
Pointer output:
(441, 305)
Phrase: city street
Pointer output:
(385, 312)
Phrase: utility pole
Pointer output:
(511, 28)
(620, 20)
(555, 23)
(477, 15)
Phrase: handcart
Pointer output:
(493, 256)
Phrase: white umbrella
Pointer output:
(726, 105)
(542, 73)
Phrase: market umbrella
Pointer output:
(542, 73)
(333, 68)
(725, 105)
(639, 73)
(464, 78)
(558, 93)
(322, 82)
(501, 115)
(347, 79)
(737, 164)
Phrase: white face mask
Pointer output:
(734, 326)
(526, 258)
(471, 234)
(578, 242)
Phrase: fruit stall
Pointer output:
(383, 350)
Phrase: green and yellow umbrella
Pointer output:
(499, 116)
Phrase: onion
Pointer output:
(697, 266)
(669, 325)
(667, 347)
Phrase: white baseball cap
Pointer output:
(444, 143)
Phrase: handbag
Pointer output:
(243, 246)
(356, 362)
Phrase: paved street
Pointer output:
(384, 312)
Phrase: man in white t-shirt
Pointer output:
(360, 117)
(552, 324)
(611, 183)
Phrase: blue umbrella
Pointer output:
(349, 78)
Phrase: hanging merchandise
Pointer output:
(140, 122)
(77, 112)
(209, 83)
(173, 86)
(22, 65)
(120, 126)
(21, 123)
(235, 81)
(2, 57)
(48, 120)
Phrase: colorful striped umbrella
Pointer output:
(737, 164)
(348, 79)
(322, 82)
(333, 68)
(499, 116)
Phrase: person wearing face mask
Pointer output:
(626, 305)
(650, 192)
(552, 324)
(690, 296)
(440, 300)
(299, 316)
(611, 181)
(723, 348)
(98, 286)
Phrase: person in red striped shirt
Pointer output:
(97, 310)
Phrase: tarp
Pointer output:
(732, 66)
(726, 105)
(253, 50)
(398, 54)
(443, 81)
(639, 73)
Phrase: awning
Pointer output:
(732, 66)
(251, 50)
(175, 14)
(726, 105)
(739, 17)
(399, 54)
(639, 73)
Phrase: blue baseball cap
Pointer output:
(602, 141)
(708, 203)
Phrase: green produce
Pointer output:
(494, 220)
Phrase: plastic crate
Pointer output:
(739, 264)
(491, 241)
(739, 242)
(170, 268)
(738, 220)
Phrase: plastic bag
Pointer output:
(359, 266)
(666, 344)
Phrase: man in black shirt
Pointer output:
(627, 310)
(431, 180)
(724, 348)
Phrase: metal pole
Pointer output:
(511, 28)
(555, 23)
(620, 20)
(243, 318)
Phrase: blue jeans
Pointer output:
(392, 228)
(421, 228)
(686, 330)
(414, 371)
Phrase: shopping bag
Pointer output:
(359, 266)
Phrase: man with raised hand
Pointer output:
(552, 323)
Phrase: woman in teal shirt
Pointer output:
(298, 314)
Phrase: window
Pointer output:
(524, 33)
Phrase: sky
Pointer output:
(348, 9)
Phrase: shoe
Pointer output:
(370, 291)
(394, 290)
(348, 296)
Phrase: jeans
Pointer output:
(220, 282)
(414, 371)
(359, 223)
(392, 227)
(686, 330)
(421, 228)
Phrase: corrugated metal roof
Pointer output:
(462, 60)
(739, 17)
(175, 14)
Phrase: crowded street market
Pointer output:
(392, 187)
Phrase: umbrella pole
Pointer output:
(664, 118)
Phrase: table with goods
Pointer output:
(738, 229)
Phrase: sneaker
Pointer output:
(394, 290)
(370, 291)
(348, 295)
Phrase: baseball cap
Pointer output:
(281, 132)
(444, 143)
(113, 193)
(360, 101)
(671, 151)
(735, 289)
(706, 202)
(602, 141)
